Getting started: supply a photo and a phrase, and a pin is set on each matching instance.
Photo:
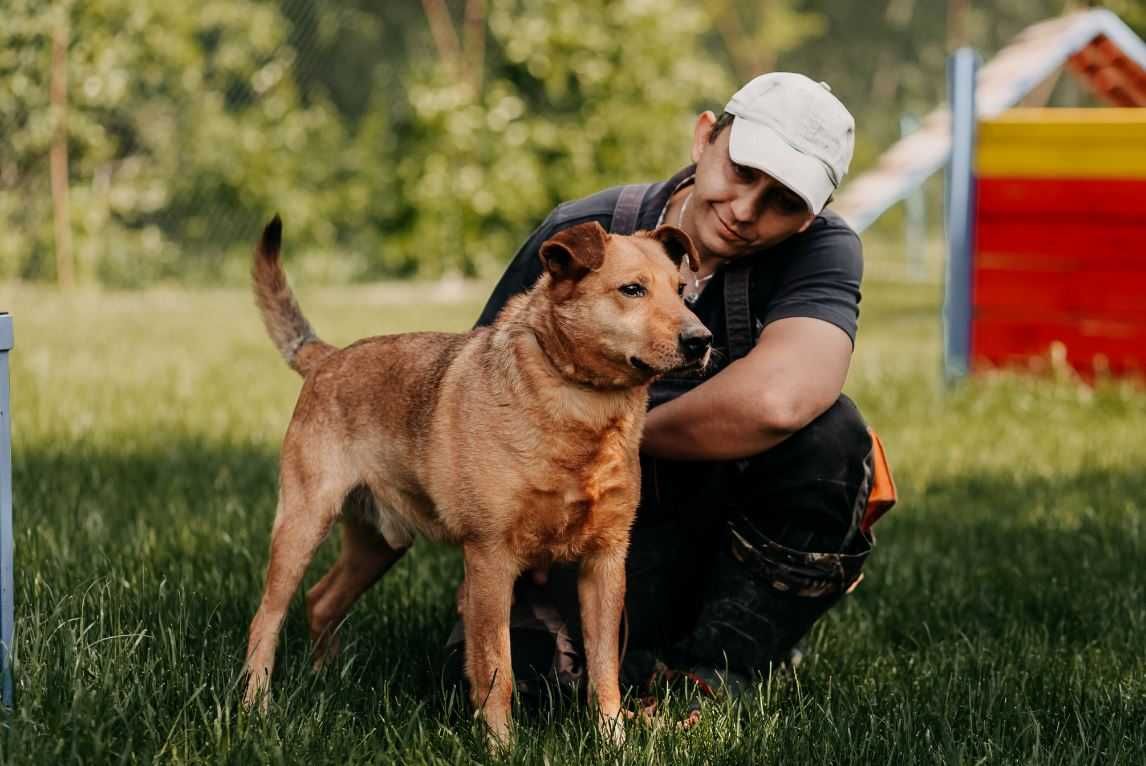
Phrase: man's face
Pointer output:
(736, 209)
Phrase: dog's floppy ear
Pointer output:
(678, 245)
(574, 252)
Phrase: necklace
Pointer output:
(684, 207)
(696, 283)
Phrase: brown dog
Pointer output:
(517, 441)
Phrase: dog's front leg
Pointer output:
(601, 589)
(490, 572)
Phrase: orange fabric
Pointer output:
(883, 495)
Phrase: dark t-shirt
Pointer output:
(815, 273)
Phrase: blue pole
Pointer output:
(7, 610)
(961, 73)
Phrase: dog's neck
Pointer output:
(531, 315)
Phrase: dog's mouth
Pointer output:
(688, 365)
(691, 365)
(699, 364)
(641, 364)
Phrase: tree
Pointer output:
(755, 33)
(563, 111)
(173, 113)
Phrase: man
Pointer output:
(756, 472)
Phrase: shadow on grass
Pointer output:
(984, 555)
(171, 543)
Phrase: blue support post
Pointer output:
(961, 74)
(7, 608)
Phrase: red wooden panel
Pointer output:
(1060, 261)
(1060, 243)
(1074, 197)
(1040, 293)
(1003, 340)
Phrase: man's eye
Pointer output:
(788, 204)
(744, 171)
(633, 290)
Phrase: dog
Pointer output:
(518, 442)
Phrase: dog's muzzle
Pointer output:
(694, 342)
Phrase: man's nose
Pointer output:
(743, 208)
(694, 341)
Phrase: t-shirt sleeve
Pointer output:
(822, 280)
(521, 272)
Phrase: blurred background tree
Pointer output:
(411, 137)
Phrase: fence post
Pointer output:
(7, 609)
(961, 74)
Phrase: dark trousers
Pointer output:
(730, 563)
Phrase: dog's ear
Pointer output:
(678, 245)
(572, 253)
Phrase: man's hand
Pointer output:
(795, 372)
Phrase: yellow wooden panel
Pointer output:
(1062, 160)
(1053, 115)
(1064, 143)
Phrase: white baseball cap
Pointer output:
(794, 129)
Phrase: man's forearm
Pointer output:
(712, 422)
(795, 372)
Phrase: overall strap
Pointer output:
(628, 209)
(737, 314)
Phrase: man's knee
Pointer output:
(805, 492)
(837, 438)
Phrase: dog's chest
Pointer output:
(584, 502)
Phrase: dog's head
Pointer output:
(617, 302)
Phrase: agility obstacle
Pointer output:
(1059, 254)
(1046, 237)
(1045, 209)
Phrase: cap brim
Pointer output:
(759, 146)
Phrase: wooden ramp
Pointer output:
(1096, 46)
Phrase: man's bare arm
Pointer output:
(796, 371)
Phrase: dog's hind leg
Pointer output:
(305, 514)
(357, 501)
(364, 558)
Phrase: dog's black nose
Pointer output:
(694, 341)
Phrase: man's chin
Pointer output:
(718, 247)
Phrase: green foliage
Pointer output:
(189, 124)
(175, 143)
(565, 111)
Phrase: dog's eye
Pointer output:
(633, 290)
(680, 289)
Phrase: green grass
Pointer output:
(1002, 619)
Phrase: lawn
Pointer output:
(1002, 619)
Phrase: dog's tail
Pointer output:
(288, 328)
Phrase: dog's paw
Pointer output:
(612, 728)
(499, 739)
(257, 698)
(257, 702)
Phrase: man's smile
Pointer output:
(726, 231)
